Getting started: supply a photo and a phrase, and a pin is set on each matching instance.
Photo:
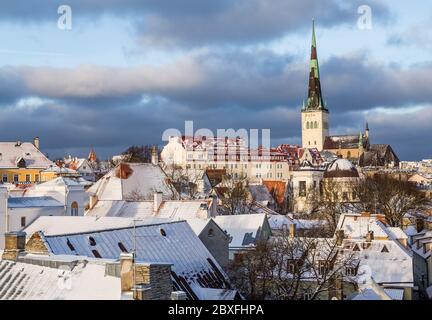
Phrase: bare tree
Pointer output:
(235, 195)
(327, 203)
(287, 268)
(185, 180)
(391, 197)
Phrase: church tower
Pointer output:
(314, 114)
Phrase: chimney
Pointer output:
(145, 281)
(126, 272)
(419, 224)
(93, 201)
(18, 143)
(14, 244)
(36, 142)
(292, 230)
(340, 235)
(154, 156)
(157, 201)
(369, 236)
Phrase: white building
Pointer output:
(231, 154)
(53, 198)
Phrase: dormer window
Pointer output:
(21, 163)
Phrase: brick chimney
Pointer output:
(157, 201)
(14, 244)
(149, 281)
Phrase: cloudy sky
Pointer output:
(128, 70)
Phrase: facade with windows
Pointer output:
(22, 162)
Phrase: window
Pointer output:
(345, 196)
(292, 266)
(15, 179)
(5, 177)
(96, 254)
(302, 188)
(70, 245)
(36, 178)
(354, 195)
(23, 221)
(91, 241)
(122, 247)
(323, 267)
(307, 296)
(351, 271)
(211, 233)
(27, 178)
(307, 125)
(74, 209)
(316, 125)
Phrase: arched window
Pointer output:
(74, 209)
(307, 125)
(349, 154)
(316, 125)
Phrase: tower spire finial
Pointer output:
(315, 98)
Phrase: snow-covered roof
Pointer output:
(244, 229)
(279, 222)
(173, 209)
(356, 226)
(33, 202)
(64, 225)
(260, 193)
(10, 152)
(61, 170)
(386, 260)
(341, 168)
(132, 181)
(25, 281)
(169, 242)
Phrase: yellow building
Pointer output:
(23, 162)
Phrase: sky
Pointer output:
(116, 73)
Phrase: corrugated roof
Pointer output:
(173, 242)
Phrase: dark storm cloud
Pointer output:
(198, 22)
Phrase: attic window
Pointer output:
(69, 244)
(122, 247)
(96, 254)
(92, 241)
(211, 233)
(384, 249)
(162, 232)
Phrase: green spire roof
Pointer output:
(315, 99)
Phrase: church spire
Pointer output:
(315, 99)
